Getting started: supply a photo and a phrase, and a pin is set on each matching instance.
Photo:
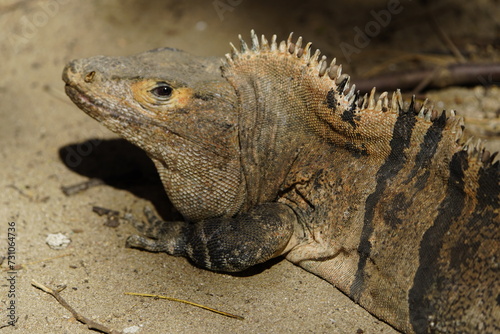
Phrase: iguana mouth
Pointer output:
(80, 94)
(85, 102)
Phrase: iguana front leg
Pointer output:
(223, 244)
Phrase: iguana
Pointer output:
(270, 152)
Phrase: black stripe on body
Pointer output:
(400, 141)
(487, 196)
(428, 147)
(449, 210)
(331, 100)
(476, 250)
(356, 151)
(349, 114)
(399, 204)
(482, 226)
(482, 220)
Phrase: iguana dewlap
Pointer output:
(272, 153)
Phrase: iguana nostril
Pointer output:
(89, 77)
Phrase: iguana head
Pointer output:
(179, 109)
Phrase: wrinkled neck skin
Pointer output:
(271, 134)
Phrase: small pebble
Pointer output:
(201, 26)
(57, 241)
(131, 330)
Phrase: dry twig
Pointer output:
(90, 323)
(82, 186)
(187, 302)
(451, 75)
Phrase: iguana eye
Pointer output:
(162, 90)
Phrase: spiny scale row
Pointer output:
(369, 102)
(475, 147)
(334, 72)
(395, 104)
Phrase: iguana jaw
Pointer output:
(85, 89)
(85, 102)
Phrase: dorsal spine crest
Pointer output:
(347, 98)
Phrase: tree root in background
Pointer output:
(458, 74)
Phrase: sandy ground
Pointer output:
(46, 143)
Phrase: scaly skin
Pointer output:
(273, 154)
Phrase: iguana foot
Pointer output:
(154, 227)
(222, 244)
(159, 235)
